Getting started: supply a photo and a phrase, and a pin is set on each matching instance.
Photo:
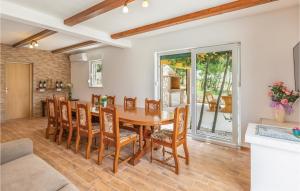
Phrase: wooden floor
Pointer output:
(211, 167)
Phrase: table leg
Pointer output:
(144, 149)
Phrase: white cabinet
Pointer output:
(274, 162)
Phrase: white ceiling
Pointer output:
(13, 31)
(116, 21)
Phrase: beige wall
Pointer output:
(45, 65)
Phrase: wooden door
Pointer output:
(18, 91)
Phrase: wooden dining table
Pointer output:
(139, 118)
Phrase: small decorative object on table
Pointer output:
(296, 132)
(103, 101)
(69, 87)
(282, 100)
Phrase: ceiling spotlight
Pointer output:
(145, 3)
(34, 43)
(125, 8)
(30, 46)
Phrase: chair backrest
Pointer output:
(111, 100)
(83, 117)
(109, 120)
(65, 113)
(58, 98)
(181, 116)
(129, 103)
(152, 106)
(52, 108)
(209, 97)
(96, 99)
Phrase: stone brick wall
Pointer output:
(45, 66)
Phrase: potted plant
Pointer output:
(282, 100)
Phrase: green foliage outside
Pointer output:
(216, 68)
(217, 61)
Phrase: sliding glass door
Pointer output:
(215, 94)
(208, 80)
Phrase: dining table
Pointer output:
(139, 118)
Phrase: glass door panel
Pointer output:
(215, 97)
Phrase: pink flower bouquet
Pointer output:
(281, 96)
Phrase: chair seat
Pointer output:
(95, 128)
(126, 135)
(163, 135)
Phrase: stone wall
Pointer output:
(45, 66)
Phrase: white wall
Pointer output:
(266, 56)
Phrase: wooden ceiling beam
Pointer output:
(221, 9)
(43, 34)
(98, 9)
(74, 47)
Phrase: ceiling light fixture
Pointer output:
(33, 44)
(145, 3)
(125, 8)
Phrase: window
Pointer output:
(95, 73)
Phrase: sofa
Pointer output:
(23, 170)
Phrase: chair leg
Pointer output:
(61, 130)
(175, 156)
(151, 148)
(186, 153)
(133, 147)
(55, 134)
(95, 141)
(116, 159)
(88, 147)
(164, 152)
(77, 142)
(69, 137)
(101, 151)
(48, 130)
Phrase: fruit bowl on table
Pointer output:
(296, 132)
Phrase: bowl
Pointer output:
(296, 132)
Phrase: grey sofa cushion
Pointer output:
(15, 149)
(31, 173)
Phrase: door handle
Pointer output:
(6, 90)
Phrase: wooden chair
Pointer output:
(84, 127)
(111, 100)
(57, 98)
(228, 104)
(130, 105)
(173, 138)
(212, 102)
(66, 122)
(96, 100)
(152, 106)
(112, 135)
(52, 118)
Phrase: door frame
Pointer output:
(236, 84)
(236, 69)
(30, 87)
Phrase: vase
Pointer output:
(279, 114)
